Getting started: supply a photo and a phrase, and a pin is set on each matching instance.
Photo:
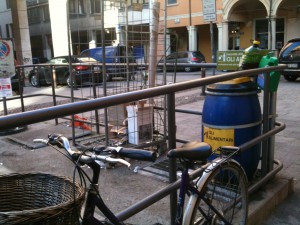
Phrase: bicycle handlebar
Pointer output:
(137, 154)
(63, 142)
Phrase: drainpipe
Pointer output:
(190, 12)
(270, 25)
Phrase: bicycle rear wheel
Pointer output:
(224, 186)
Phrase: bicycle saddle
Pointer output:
(195, 150)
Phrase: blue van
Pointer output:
(114, 56)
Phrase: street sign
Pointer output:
(228, 60)
(209, 10)
(7, 67)
(5, 87)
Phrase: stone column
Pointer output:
(220, 36)
(273, 33)
(192, 38)
(59, 26)
(21, 32)
(225, 36)
(93, 39)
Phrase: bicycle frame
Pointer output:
(94, 200)
(187, 188)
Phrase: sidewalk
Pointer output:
(130, 187)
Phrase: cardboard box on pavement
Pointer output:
(140, 123)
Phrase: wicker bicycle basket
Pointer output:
(39, 199)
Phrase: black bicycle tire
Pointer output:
(220, 170)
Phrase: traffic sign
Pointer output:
(209, 10)
(7, 67)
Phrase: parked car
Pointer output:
(38, 60)
(115, 58)
(290, 55)
(183, 57)
(82, 73)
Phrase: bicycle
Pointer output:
(218, 196)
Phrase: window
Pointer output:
(45, 13)
(72, 7)
(33, 15)
(30, 2)
(140, 1)
(95, 6)
(80, 7)
(172, 2)
(8, 31)
(261, 33)
(279, 39)
(8, 4)
(76, 7)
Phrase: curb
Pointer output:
(264, 202)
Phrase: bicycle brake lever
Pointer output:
(117, 160)
(41, 141)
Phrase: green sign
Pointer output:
(229, 60)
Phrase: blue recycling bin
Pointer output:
(231, 116)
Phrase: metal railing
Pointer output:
(269, 130)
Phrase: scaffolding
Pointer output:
(127, 48)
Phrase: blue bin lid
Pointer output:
(239, 85)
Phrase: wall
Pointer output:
(5, 18)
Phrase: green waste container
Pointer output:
(269, 60)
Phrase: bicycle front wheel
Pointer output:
(223, 187)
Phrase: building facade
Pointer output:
(234, 24)
(83, 21)
(273, 22)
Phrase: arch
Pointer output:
(230, 5)
(276, 4)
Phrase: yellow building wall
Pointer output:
(181, 11)
(247, 34)
(178, 20)
(204, 43)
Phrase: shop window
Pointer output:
(261, 32)
(279, 39)
(172, 2)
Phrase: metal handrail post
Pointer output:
(172, 145)
(53, 86)
(265, 143)
(203, 73)
(95, 96)
(4, 105)
(21, 75)
(273, 104)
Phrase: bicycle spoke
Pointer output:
(224, 197)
